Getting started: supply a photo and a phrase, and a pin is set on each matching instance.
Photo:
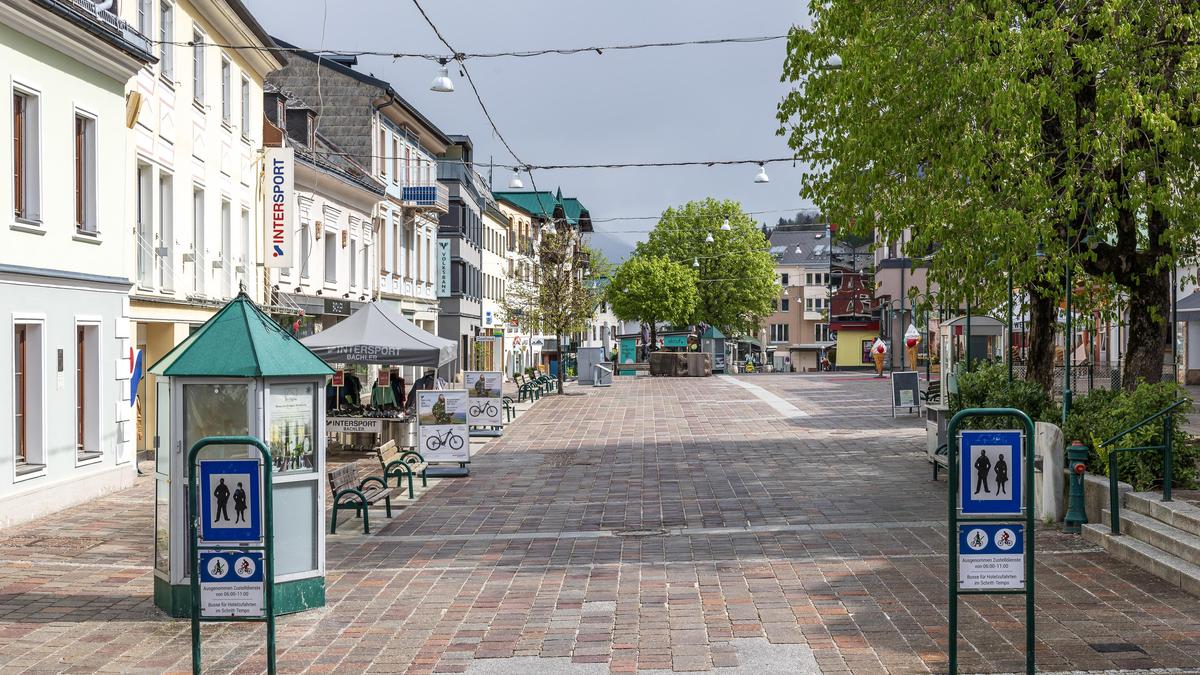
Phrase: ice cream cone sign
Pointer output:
(912, 338)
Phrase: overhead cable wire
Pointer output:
(463, 56)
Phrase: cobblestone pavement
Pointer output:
(772, 524)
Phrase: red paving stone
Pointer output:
(649, 525)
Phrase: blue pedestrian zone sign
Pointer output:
(991, 556)
(990, 473)
(230, 501)
(231, 583)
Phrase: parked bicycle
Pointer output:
(485, 410)
(435, 442)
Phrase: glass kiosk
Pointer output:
(241, 374)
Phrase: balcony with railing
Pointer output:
(433, 197)
(108, 20)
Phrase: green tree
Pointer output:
(736, 273)
(557, 294)
(650, 289)
(993, 131)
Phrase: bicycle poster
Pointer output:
(442, 424)
(483, 397)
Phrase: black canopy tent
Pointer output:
(374, 335)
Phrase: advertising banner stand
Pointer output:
(906, 391)
(990, 517)
(443, 433)
(484, 402)
(233, 554)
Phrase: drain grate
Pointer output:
(1115, 647)
(648, 532)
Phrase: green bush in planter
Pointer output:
(987, 386)
(1102, 414)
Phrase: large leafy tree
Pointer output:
(650, 289)
(992, 132)
(736, 273)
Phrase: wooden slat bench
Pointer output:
(527, 389)
(941, 459)
(400, 462)
(933, 392)
(342, 481)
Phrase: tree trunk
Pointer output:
(1043, 324)
(561, 368)
(653, 339)
(1149, 327)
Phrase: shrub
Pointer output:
(1103, 414)
(987, 386)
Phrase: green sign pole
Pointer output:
(954, 519)
(268, 547)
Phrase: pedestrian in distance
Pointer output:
(983, 466)
(221, 493)
(239, 504)
(1001, 470)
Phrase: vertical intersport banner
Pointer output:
(280, 207)
(483, 397)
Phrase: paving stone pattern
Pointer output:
(659, 525)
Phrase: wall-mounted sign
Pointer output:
(337, 307)
(280, 207)
(443, 268)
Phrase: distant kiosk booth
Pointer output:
(241, 374)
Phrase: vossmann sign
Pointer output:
(280, 206)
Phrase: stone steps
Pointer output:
(1162, 538)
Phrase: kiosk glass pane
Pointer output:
(216, 410)
(162, 427)
(295, 527)
(290, 432)
(162, 525)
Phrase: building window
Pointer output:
(783, 305)
(305, 247)
(225, 256)
(779, 332)
(783, 279)
(330, 257)
(366, 270)
(353, 262)
(198, 67)
(814, 304)
(245, 108)
(27, 397)
(166, 34)
(87, 408)
(226, 90)
(247, 246)
(144, 9)
(821, 331)
(85, 174)
(26, 159)
(144, 201)
(198, 241)
(165, 250)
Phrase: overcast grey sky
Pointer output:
(684, 103)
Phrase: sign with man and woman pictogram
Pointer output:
(230, 506)
(990, 473)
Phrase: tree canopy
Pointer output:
(736, 273)
(650, 289)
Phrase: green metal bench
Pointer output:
(341, 483)
(401, 463)
(527, 389)
(509, 408)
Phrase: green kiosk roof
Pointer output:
(240, 341)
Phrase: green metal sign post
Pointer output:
(267, 546)
(992, 514)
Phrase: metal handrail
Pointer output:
(1167, 447)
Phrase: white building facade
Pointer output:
(66, 434)
(197, 144)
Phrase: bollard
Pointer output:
(1077, 454)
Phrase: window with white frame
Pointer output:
(226, 90)
(198, 272)
(245, 122)
(821, 332)
(144, 16)
(166, 34)
(247, 245)
(87, 391)
(814, 304)
(224, 257)
(305, 246)
(144, 203)
(26, 156)
(85, 173)
(198, 67)
(165, 244)
(28, 381)
(779, 332)
(353, 262)
(331, 247)
(784, 304)
(783, 279)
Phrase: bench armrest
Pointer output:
(372, 479)
(412, 453)
(349, 491)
